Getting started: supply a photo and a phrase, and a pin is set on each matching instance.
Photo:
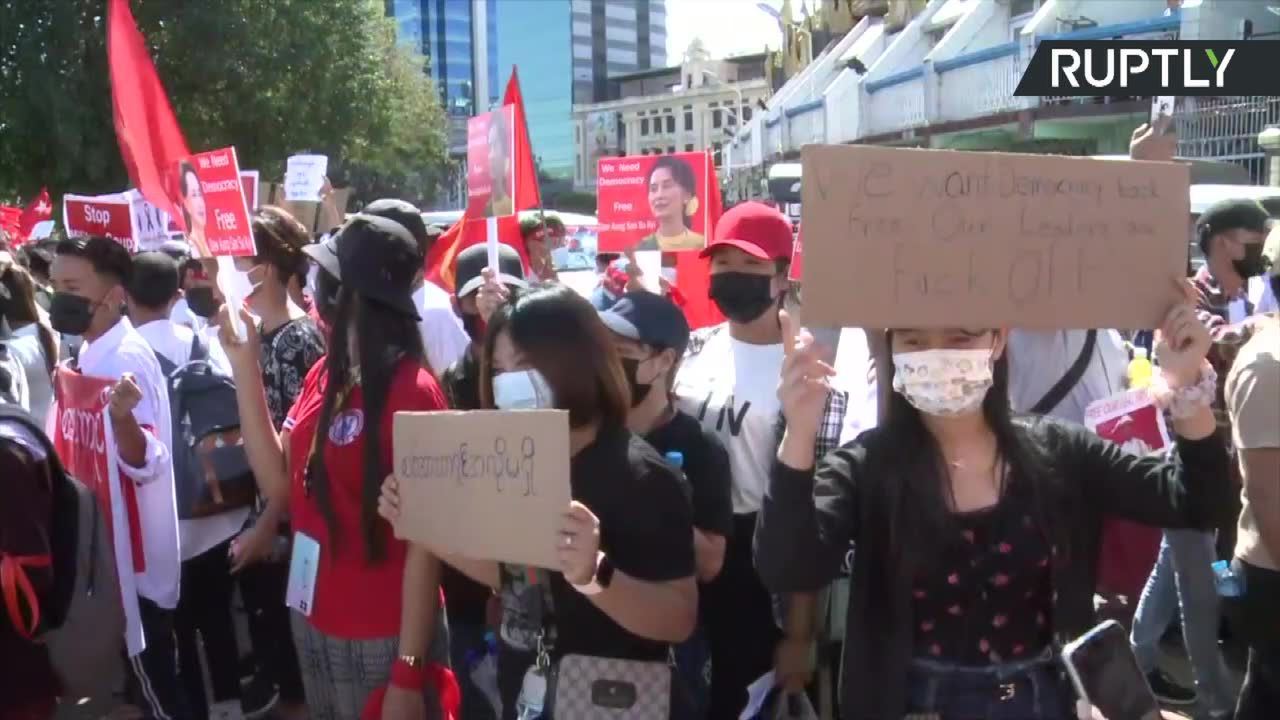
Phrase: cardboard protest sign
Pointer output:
(249, 183)
(653, 202)
(106, 215)
(491, 178)
(150, 223)
(1132, 421)
(939, 238)
(484, 484)
(213, 205)
(304, 177)
(85, 443)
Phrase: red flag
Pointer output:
(151, 143)
(693, 273)
(9, 218)
(37, 211)
(471, 230)
(527, 194)
(462, 235)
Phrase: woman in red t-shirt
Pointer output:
(367, 612)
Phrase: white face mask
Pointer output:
(943, 382)
(522, 390)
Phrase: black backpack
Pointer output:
(82, 617)
(210, 467)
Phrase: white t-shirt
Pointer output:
(854, 376)
(173, 341)
(1038, 359)
(123, 350)
(731, 387)
(26, 349)
(443, 336)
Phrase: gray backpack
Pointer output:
(82, 618)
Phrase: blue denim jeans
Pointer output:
(1183, 578)
(1027, 690)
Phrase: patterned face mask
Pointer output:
(943, 382)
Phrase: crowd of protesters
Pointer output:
(912, 538)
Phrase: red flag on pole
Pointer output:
(693, 273)
(151, 142)
(9, 219)
(37, 211)
(528, 196)
(471, 229)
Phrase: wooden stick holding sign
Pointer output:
(484, 484)
(939, 238)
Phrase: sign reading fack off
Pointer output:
(897, 238)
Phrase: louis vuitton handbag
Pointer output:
(600, 688)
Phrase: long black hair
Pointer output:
(917, 499)
(384, 339)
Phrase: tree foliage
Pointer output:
(271, 77)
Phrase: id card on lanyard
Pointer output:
(300, 593)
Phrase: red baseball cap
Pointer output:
(754, 228)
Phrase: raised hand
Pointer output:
(803, 384)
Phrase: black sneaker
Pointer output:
(1169, 692)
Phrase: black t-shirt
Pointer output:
(706, 465)
(646, 530)
(465, 599)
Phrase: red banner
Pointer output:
(107, 215)
(84, 442)
(491, 143)
(249, 183)
(653, 202)
(213, 205)
(795, 273)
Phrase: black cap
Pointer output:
(470, 262)
(404, 213)
(648, 318)
(380, 259)
(325, 253)
(1226, 215)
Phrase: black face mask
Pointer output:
(1253, 263)
(742, 297)
(639, 390)
(201, 302)
(71, 314)
(474, 326)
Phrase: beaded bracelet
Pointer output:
(1188, 400)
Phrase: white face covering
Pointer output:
(943, 382)
(522, 390)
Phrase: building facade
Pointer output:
(444, 31)
(614, 37)
(694, 106)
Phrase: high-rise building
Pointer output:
(565, 52)
(444, 32)
(615, 37)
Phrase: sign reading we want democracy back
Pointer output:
(940, 238)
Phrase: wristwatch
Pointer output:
(604, 576)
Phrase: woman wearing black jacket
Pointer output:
(976, 532)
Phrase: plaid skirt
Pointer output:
(338, 675)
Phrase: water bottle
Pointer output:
(484, 673)
(675, 458)
(1230, 584)
(1140, 369)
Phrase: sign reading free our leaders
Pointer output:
(907, 238)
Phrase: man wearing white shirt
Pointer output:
(88, 278)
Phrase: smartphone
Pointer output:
(1162, 111)
(1105, 672)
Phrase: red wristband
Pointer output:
(408, 677)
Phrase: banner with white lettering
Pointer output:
(213, 204)
(106, 215)
(86, 445)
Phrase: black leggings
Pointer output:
(741, 632)
(205, 607)
(262, 586)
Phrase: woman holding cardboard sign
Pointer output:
(624, 592)
(367, 622)
(977, 532)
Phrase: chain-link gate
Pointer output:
(1226, 128)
